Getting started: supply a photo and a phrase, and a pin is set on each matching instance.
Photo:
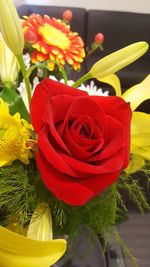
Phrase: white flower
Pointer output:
(27, 60)
(92, 89)
(70, 82)
(23, 93)
(35, 83)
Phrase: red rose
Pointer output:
(83, 140)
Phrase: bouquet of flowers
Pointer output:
(67, 150)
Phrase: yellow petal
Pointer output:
(143, 151)
(135, 164)
(138, 93)
(2, 162)
(140, 134)
(19, 251)
(140, 129)
(13, 137)
(140, 123)
(141, 139)
(40, 227)
(114, 81)
(118, 60)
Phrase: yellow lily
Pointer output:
(138, 93)
(113, 81)
(140, 134)
(9, 67)
(20, 251)
(136, 163)
(10, 27)
(140, 125)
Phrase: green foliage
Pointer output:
(146, 171)
(21, 189)
(98, 214)
(18, 196)
(132, 185)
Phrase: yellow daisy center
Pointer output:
(54, 36)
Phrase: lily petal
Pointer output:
(140, 134)
(136, 163)
(19, 251)
(140, 123)
(138, 93)
(114, 81)
(141, 151)
(40, 227)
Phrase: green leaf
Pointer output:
(15, 102)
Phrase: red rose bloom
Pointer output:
(83, 140)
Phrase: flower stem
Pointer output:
(25, 76)
(83, 79)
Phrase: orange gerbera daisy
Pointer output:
(52, 39)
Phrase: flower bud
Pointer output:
(10, 26)
(118, 60)
(9, 67)
(30, 37)
(99, 38)
(67, 15)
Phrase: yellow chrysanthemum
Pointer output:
(14, 134)
(52, 39)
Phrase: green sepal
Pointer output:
(15, 102)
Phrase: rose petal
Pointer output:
(62, 186)
(72, 191)
(104, 166)
(43, 92)
(82, 152)
(80, 108)
(113, 142)
(117, 108)
(51, 154)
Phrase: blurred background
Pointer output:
(141, 6)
